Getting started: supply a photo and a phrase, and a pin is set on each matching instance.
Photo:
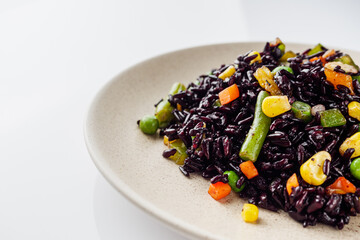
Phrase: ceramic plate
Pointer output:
(132, 162)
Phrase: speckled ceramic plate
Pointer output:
(132, 161)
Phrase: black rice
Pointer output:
(215, 148)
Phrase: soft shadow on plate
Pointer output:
(116, 217)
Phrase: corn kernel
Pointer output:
(354, 110)
(250, 212)
(257, 59)
(227, 73)
(266, 80)
(351, 142)
(275, 105)
(166, 141)
(312, 170)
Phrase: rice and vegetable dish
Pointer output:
(280, 129)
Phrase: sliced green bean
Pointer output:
(302, 111)
(255, 138)
(163, 113)
(233, 178)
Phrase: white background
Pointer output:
(55, 56)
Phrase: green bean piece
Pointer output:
(279, 68)
(346, 59)
(149, 124)
(217, 103)
(356, 77)
(332, 118)
(258, 131)
(233, 178)
(176, 88)
(355, 168)
(163, 113)
(302, 111)
(316, 49)
(287, 55)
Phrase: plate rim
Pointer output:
(162, 216)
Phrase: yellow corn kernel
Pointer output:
(257, 59)
(266, 81)
(351, 142)
(227, 73)
(312, 170)
(250, 212)
(273, 106)
(166, 141)
(354, 110)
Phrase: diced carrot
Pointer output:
(229, 94)
(337, 78)
(248, 169)
(328, 53)
(314, 59)
(341, 186)
(178, 107)
(318, 58)
(292, 182)
(219, 190)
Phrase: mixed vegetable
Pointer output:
(255, 125)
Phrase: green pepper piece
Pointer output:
(356, 77)
(332, 118)
(233, 178)
(316, 49)
(217, 103)
(279, 68)
(163, 113)
(354, 168)
(287, 55)
(302, 111)
(258, 131)
(176, 88)
(180, 155)
(346, 59)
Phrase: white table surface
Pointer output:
(55, 55)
